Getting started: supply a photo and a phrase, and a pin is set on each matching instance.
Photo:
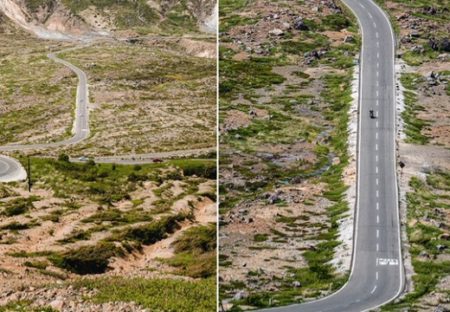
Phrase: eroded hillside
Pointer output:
(87, 18)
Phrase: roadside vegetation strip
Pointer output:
(427, 203)
(413, 125)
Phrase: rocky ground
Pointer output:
(423, 148)
(47, 235)
(286, 72)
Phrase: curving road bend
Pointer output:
(80, 129)
(377, 275)
(12, 170)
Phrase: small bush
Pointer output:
(87, 259)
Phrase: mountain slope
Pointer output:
(63, 18)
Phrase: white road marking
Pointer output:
(378, 219)
(378, 206)
(376, 180)
(378, 64)
(374, 25)
(378, 73)
(378, 101)
(376, 158)
(378, 247)
(376, 147)
(376, 275)
(377, 124)
(376, 136)
(387, 261)
(378, 93)
(376, 169)
(378, 44)
(377, 35)
(378, 193)
(378, 55)
(373, 290)
(378, 233)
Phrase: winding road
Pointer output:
(377, 274)
(11, 169)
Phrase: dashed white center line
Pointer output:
(374, 25)
(376, 158)
(376, 136)
(378, 93)
(376, 169)
(378, 65)
(378, 247)
(376, 180)
(378, 55)
(376, 275)
(377, 35)
(378, 206)
(378, 233)
(378, 44)
(378, 194)
(376, 147)
(378, 219)
(378, 101)
(373, 290)
(370, 15)
(378, 73)
(376, 123)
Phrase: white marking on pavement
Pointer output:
(376, 147)
(370, 15)
(373, 290)
(378, 93)
(376, 136)
(376, 34)
(378, 233)
(376, 180)
(378, 101)
(376, 158)
(378, 206)
(378, 219)
(376, 275)
(387, 261)
(376, 169)
(374, 25)
(378, 55)
(378, 73)
(378, 64)
(378, 44)
(378, 247)
(377, 124)
(378, 193)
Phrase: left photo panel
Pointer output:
(108, 158)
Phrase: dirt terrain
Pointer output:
(285, 68)
(46, 231)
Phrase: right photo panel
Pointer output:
(319, 127)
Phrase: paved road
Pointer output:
(11, 170)
(377, 270)
(80, 129)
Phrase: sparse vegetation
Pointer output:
(156, 294)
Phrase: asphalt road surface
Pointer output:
(11, 170)
(377, 275)
(80, 129)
